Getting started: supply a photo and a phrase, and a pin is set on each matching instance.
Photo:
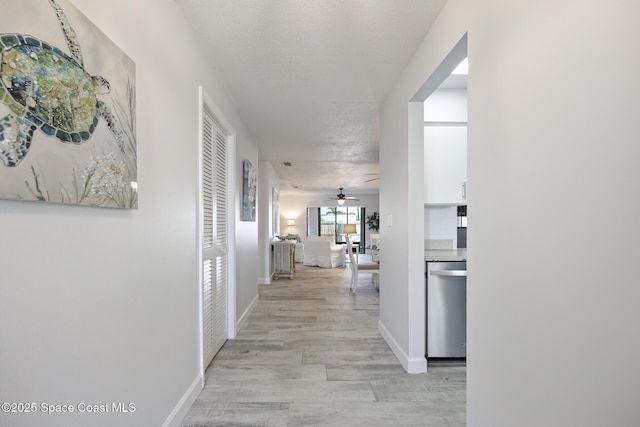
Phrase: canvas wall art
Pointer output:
(67, 109)
(248, 191)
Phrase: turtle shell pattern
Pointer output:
(48, 88)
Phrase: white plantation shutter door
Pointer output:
(214, 239)
(221, 240)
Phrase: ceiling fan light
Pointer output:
(341, 202)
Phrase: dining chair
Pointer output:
(375, 247)
(369, 267)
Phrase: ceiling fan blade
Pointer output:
(372, 179)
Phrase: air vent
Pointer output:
(287, 163)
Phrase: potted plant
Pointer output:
(373, 221)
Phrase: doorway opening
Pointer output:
(432, 213)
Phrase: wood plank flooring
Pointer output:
(310, 355)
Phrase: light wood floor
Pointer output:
(310, 355)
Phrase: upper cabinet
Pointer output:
(445, 147)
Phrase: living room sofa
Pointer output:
(322, 251)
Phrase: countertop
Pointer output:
(445, 254)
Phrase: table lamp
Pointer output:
(350, 229)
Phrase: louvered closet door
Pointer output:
(214, 246)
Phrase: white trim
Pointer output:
(247, 312)
(199, 228)
(264, 281)
(417, 365)
(416, 290)
(412, 366)
(440, 74)
(184, 404)
(231, 227)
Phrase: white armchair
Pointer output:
(322, 251)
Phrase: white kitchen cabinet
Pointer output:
(445, 164)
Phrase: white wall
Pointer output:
(268, 180)
(552, 306)
(295, 207)
(441, 223)
(101, 305)
(446, 105)
(247, 247)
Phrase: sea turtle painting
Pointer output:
(47, 89)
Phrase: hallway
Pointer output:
(310, 354)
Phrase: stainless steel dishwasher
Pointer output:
(446, 311)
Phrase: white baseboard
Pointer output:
(177, 415)
(417, 365)
(413, 365)
(242, 320)
(264, 281)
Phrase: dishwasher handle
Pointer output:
(457, 273)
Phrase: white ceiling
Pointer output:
(308, 77)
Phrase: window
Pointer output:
(330, 221)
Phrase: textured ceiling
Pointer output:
(308, 77)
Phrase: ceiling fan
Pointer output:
(341, 197)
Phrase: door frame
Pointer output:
(416, 362)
